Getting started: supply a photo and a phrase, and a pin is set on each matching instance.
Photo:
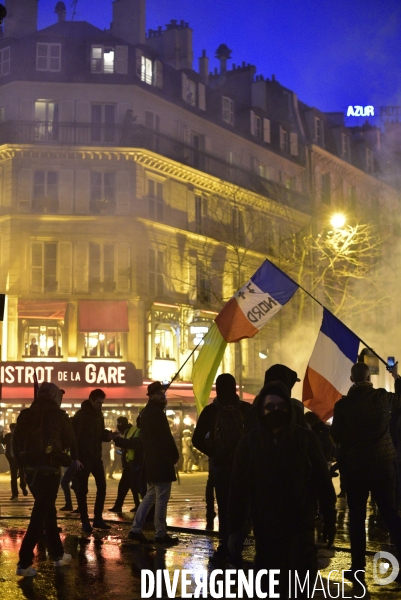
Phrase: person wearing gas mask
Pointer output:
(161, 455)
(281, 471)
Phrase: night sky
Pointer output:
(331, 53)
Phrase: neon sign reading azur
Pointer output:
(361, 111)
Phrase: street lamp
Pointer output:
(337, 220)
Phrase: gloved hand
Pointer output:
(329, 530)
(235, 544)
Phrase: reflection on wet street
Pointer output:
(106, 565)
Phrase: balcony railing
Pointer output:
(138, 136)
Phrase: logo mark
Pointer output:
(382, 567)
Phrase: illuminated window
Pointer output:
(164, 344)
(43, 340)
(146, 70)
(156, 273)
(102, 59)
(155, 200)
(48, 57)
(228, 110)
(98, 344)
(46, 120)
(45, 192)
(5, 61)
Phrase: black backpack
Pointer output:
(36, 444)
(228, 430)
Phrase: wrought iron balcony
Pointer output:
(138, 136)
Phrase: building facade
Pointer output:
(137, 195)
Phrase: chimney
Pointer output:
(223, 53)
(204, 68)
(60, 11)
(174, 44)
(129, 20)
(22, 18)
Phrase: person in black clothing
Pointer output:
(161, 455)
(204, 439)
(289, 378)
(366, 457)
(127, 440)
(280, 470)
(88, 424)
(15, 472)
(46, 421)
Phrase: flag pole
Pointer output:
(361, 340)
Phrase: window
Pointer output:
(103, 120)
(238, 225)
(155, 200)
(203, 287)
(164, 344)
(258, 127)
(156, 273)
(146, 70)
(319, 139)
(46, 120)
(44, 266)
(48, 57)
(369, 159)
(4, 61)
(228, 110)
(325, 188)
(99, 344)
(198, 214)
(45, 192)
(152, 122)
(43, 340)
(284, 141)
(352, 196)
(197, 154)
(101, 267)
(102, 59)
(188, 90)
(103, 192)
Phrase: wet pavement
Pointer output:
(106, 565)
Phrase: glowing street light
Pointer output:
(337, 220)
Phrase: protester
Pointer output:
(88, 423)
(280, 470)
(218, 431)
(161, 455)
(366, 457)
(187, 451)
(322, 431)
(128, 440)
(289, 378)
(42, 435)
(15, 472)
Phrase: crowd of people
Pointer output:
(270, 466)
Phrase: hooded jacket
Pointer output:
(361, 425)
(283, 475)
(55, 423)
(161, 453)
(88, 424)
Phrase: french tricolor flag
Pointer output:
(256, 303)
(327, 376)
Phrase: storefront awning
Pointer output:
(103, 315)
(41, 309)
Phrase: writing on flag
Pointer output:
(263, 295)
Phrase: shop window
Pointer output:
(164, 344)
(43, 340)
(101, 345)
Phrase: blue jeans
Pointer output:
(159, 494)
